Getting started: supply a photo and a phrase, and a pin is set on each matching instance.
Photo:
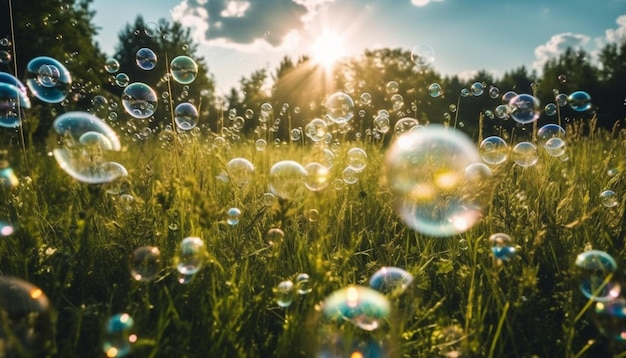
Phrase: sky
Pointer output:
(237, 37)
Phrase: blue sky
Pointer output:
(237, 37)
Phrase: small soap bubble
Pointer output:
(183, 69)
(494, 92)
(260, 144)
(366, 98)
(562, 78)
(313, 215)
(550, 109)
(240, 171)
(296, 134)
(524, 108)
(404, 125)
(502, 246)
(465, 92)
(392, 87)
(350, 175)
(13, 102)
(111, 65)
(357, 159)
(609, 198)
(434, 90)
(274, 235)
(152, 29)
(186, 116)
(477, 89)
(122, 79)
(525, 154)
(318, 176)
(139, 100)
(390, 279)
(339, 107)
(549, 131)
(145, 263)
(316, 130)
(508, 96)
(579, 101)
(561, 99)
(364, 307)
(146, 59)
(303, 284)
(284, 293)
(595, 269)
(233, 215)
(190, 256)
(381, 122)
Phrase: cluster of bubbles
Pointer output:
(286, 290)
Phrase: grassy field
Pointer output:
(74, 241)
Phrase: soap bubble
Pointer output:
(316, 130)
(610, 318)
(313, 215)
(465, 92)
(434, 90)
(317, 176)
(477, 89)
(139, 100)
(357, 159)
(296, 134)
(502, 246)
(562, 78)
(525, 154)
(548, 132)
(284, 293)
(366, 98)
(13, 102)
(508, 96)
(555, 147)
(550, 109)
(48, 79)
(609, 198)
(286, 179)
(260, 144)
(111, 65)
(183, 69)
(494, 92)
(26, 320)
(561, 99)
(190, 256)
(5, 57)
(117, 335)
(381, 122)
(122, 79)
(364, 307)
(595, 270)
(390, 279)
(426, 172)
(145, 263)
(392, 87)
(240, 171)
(274, 235)
(493, 150)
(422, 55)
(185, 116)
(146, 59)
(339, 107)
(85, 141)
(350, 175)
(579, 101)
(303, 284)
(524, 108)
(404, 125)
(152, 29)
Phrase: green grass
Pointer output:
(74, 240)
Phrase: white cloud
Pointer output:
(557, 45)
(618, 34)
(422, 3)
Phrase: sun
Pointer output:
(327, 49)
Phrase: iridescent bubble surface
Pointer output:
(190, 255)
(390, 279)
(286, 179)
(339, 107)
(579, 101)
(145, 263)
(365, 307)
(525, 154)
(494, 150)
(183, 69)
(524, 108)
(48, 79)
(146, 59)
(595, 270)
(139, 100)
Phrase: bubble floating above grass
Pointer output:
(561, 99)
(183, 69)
(364, 307)
(118, 333)
(303, 284)
(392, 87)
(404, 125)
(284, 293)
(494, 150)
(186, 116)
(339, 107)
(381, 122)
(139, 100)
(494, 92)
(550, 109)
(26, 319)
(426, 172)
(579, 101)
(316, 129)
(609, 198)
(502, 246)
(549, 131)
(525, 154)
(595, 270)
(286, 179)
(317, 176)
(146, 59)
(48, 79)
(240, 171)
(190, 256)
(434, 90)
(13, 102)
(145, 263)
(508, 96)
(111, 65)
(85, 141)
(390, 279)
(524, 108)
(357, 158)
(366, 98)
(423, 55)
(233, 215)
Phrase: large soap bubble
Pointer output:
(48, 79)
(426, 172)
(85, 142)
(13, 101)
(340, 107)
(287, 179)
(139, 100)
(524, 108)
(183, 69)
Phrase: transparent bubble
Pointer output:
(609, 199)
(85, 142)
(233, 215)
(434, 90)
(477, 89)
(111, 65)
(422, 55)
(249, 113)
(404, 125)
(117, 335)
(316, 130)
(357, 158)
(508, 96)
(185, 116)
(562, 78)
(579, 101)
(122, 79)
(350, 175)
(5, 57)
(313, 215)
(266, 110)
(561, 99)
(274, 235)
(190, 256)
(26, 320)
(397, 101)
(381, 122)
(145, 263)
(524, 108)
(465, 92)
(392, 87)
(501, 111)
(303, 284)
(284, 293)
(286, 179)
(555, 147)
(240, 171)
(183, 69)
(548, 132)
(13, 102)
(48, 79)
(366, 98)
(364, 307)
(139, 100)
(426, 171)
(317, 176)
(260, 144)
(525, 154)
(390, 279)
(502, 246)
(152, 29)
(595, 269)
(494, 92)
(610, 318)
(550, 109)
(146, 59)
(339, 107)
